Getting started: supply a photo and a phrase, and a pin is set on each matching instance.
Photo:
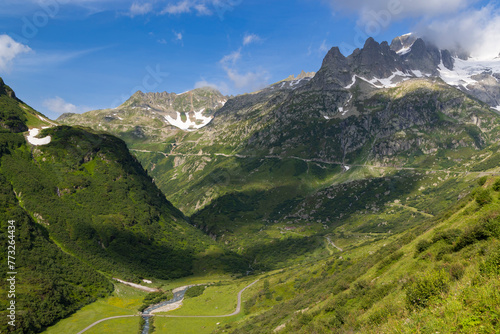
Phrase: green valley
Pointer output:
(363, 198)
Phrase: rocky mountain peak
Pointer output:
(401, 43)
(423, 56)
(375, 60)
(334, 57)
(381, 65)
(304, 74)
(371, 43)
(335, 70)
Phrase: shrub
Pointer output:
(380, 315)
(449, 236)
(155, 298)
(249, 304)
(496, 185)
(482, 180)
(336, 313)
(491, 266)
(195, 291)
(483, 197)
(446, 249)
(425, 288)
(457, 271)
(422, 245)
(487, 228)
(390, 259)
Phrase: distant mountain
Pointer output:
(384, 66)
(292, 82)
(153, 116)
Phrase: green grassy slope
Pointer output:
(441, 276)
(83, 206)
(49, 283)
(98, 203)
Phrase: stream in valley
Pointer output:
(146, 314)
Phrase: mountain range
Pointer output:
(358, 192)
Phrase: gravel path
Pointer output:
(137, 286)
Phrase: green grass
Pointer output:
(35, 122)
(215, 300)
(122, 325)
(124, 300)
(192, 325)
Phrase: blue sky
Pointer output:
(77, 55)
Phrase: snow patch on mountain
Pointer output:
(33, 140)
(404, 50)
(389, 82)
(197, 121)
(464, 70)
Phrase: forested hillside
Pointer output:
(84, 211)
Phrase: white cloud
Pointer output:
(181, 7)
(178, 36)
(476, 31)
(202, 9)
(140, 9)
(221, 86)
(387, 10)
(19, 8)
(450, 24)
(240, 78)
(249, 81)
(10, 49)
(231, 58)
(250, 38)
(45, 59)
(58, 105)
(323, 48)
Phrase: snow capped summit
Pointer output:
(408, 57)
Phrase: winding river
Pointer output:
(146, 314)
